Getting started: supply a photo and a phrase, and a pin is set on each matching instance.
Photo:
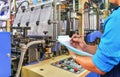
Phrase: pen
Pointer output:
(79, 36)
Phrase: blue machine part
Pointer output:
(5, 52)
(2, 13)
(92, 36)
(57, 47)
(35, 1)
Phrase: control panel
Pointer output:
(69, 64)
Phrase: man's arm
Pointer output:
(87, 63)
(90, 49)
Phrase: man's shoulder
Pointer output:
(116, 13)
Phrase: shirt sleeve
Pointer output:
(108, 52)
(103, 62)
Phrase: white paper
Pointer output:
(65, 40)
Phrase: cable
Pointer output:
(21, 4)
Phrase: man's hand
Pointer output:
(77, 42)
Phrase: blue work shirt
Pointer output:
(108, 53)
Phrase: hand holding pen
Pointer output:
(78, 42)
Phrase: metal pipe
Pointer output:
(14, 1)
(54, 19)
(59, 18)
(106, 4)
(74, 15)
(24, 49)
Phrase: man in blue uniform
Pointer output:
(106, 59)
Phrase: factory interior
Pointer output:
(29, 31)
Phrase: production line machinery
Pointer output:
(29, 24)
(35, 52)
(30, 48)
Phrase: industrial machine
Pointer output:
(35, 29)
(34, 33)
(47, 68)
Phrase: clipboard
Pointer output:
(65, 40)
